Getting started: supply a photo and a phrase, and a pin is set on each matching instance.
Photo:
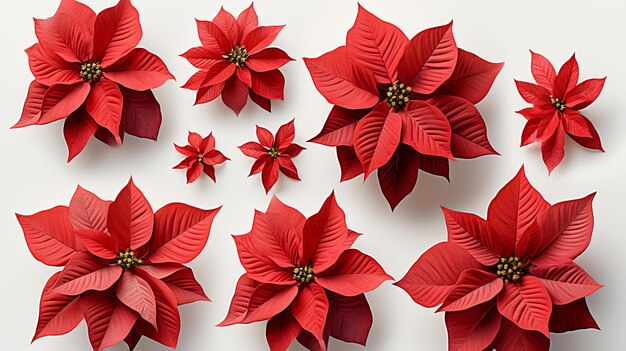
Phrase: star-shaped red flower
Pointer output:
(235, 61)
(401, 105)
(200, 156)
(556, 99)
(89, 72)
(123, 264)
(509, 280)
(273, 154)
(302, 276)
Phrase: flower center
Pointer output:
(303, 275)
(127, 259)
(90, 71)
(238, 55)
(200, 157)
(273, 152)
(558, 103)
(398, 95)
(511, 269)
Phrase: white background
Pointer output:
(34, 175)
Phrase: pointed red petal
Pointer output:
(310, 309)
(58, 314)
(474, 287)
(185, 287)
(117, 32)
(542, 70)
(573, 316)
(376, 137)
(471, 233)
(130, 220)
(339, 127)
(241, 299)
(473, 329)
(108, 320)
(105, 104)
(527, 304)
(349, 318)
(281, 331)
(260, 38)
(78, 129)
(353, 274)
(98, 243)
(426, 129)
(139, 70)
(269, 300)
(267, 60)
(61, 100)
(567, 78)
(398, 177)
(86, 272)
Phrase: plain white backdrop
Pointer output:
(34, 175)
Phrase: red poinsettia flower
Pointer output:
(302, 276)
(200, 156)
(556, 99)
(124, 269)
(273, 154)
(401, 105)
(509, 280)
(89, 72)
(235, 61)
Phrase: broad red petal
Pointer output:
(212, 36)
(285, 135)
(471, 233)
(553, 149)
(269, 174)
(570, 317)
(117, 32)
(85, 272)
(376, 137)
(287, 167)
(239, 304)
(532, 93)
(353, 274)
(473, 329)
(98, 243)
(269, 85)
(584, 94)
(260, 38)
(594, 142)
(78, 129)
(235, 94)
(185, 287)
(203, 57)
(208, 94)
(349, 318)
(247, 20)
(267, 60)
(58, 314)
(339, 127)
(31, 112)
(269, 300)
(137, 294)
(64, 37)
(426, 129)
(527, 304)
(567, 78)
(349, 163)
(49, 72)
(281, 331)
(253, 149)
(474, 287)
(542, 70)
(61, 100)
(513, 338)
(141, 114)
(130, 220)
(87, 211)
(214, 75)
(566, 283)
(228, 24)
(574, 124)
(139, 70)
(398, 176)
(435, 165)
(310, 309)
(105, 104)
(108, 320)
(264, 103)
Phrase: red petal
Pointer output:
(527, 304)
(185, 287)
(108, 320)
(472, 77)
(87, 211)
(264, 103)
(532, 93)
(585, 93)
(566, 231)
(353, 274)
(269, 300)
(376, 137)
(590, 143)
(269, 85)
(575, 124)
(426, 129)
(471, 233)
(323, 236)
(161, 270)
(79, 11)
(203, 56)
(567, 78)
(253, 149)
(341, 81)
(208, 94)
(512, 211)
(213, 37)
(512, 338)
(281, 331)
(349, 318)
(258, 264)
(570, 317)
(293, 150)
(310, 309)
(180, 233)
(248, 20)
(217, 73)
(469, 133)
(49, 236)
(266, 138)
(260, 38)
(58, 314)
(86, 272)
(141, 114)
(285, 135)
(135, 293)
(98, 243)
(267, 60)
(214, 157)
(543, 71)
(64, 38)
(31, 112)
(566, 283)
(288, 168)
(429, 59)
(130, 220)
(239, 305)
(438, 166)
(49, 72)
(79, 127)
(269, 175)
(139, 70)
(339, 127)
(61, 100)
(235, 94)
(105, 105)
(245, 76)
(473, 329)
(349, 163)
(228, 24)
(435, 274)
(549, 125)
(257, 166)
(117, 32)
(474, 287)
(377, 45)
(529, 134)
(552, 149)
(398, 177)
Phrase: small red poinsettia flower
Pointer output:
(556, 99)
(511, 279)
(273, 154)
(302, 276)
(235, 61)
(89, 72)
(124, 269)
(401, 105)
(200, 156)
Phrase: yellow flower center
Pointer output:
(127, 259)
(238, 55)
(511, 269)
(398, 95)
(90, 71)
(303, 275)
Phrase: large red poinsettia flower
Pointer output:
(200, 156)
(235, 61)
(509, 280)
(302, 276)
(273, 154)
(89, 72)
(124, 269)
(401, 105)
(556, 99)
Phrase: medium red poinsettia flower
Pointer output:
(200, 156)
(302, 276)
(401, 105)
(556, 99)
(511, 279)
(124, 269)
(235, 61)
(89, 72)
(273, 154)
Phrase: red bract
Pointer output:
(200, 156)
(273, 154)
(88, 71)
(401, 105)
(302, 276)
(235, 61)
(123, 264)
(509, 280)
(556, 99)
